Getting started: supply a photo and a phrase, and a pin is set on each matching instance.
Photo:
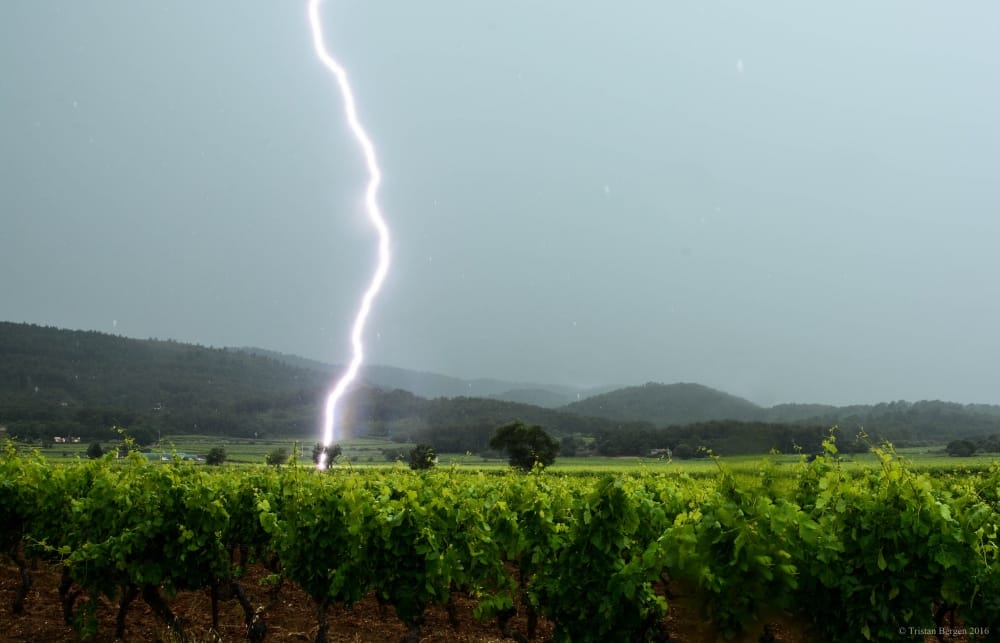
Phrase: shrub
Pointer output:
(216, 456)
(961, 448)
(422, 456)
(277, 456)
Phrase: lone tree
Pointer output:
(94, 451)
(216, 456)
(961, 448)
(527, 445)
(422, 456)
(277, 456)
(332, 452)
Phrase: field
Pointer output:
(361, 452)
(589, 549)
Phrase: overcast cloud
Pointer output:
(787, 201)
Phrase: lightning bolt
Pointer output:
(375, 217)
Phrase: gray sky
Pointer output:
(788, 201)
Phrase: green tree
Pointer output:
(216, 456)
(143, 435)
(527, 445)
(332, 452)
(94, 451)
(422, 456)
(277, 456)
(961, 448)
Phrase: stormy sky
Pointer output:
(791, 202)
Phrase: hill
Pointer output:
(679, 405)
(668, 404)
(535, 397)
(433, 385)
(56, 382)
(906, 423)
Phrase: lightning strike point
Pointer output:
(375, 217)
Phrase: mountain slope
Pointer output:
(534, 396)
(63, 382)
(668, 404)
(433, 385)
(56, 382)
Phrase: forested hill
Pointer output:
(668, 404)
(902, 422)
(57, 382)
(64, 382)
(80, 383)
(905, 422)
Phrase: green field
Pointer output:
(364, 452)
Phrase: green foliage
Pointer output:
(597, 585)
(527, 445)
(732, 546)
(316, 533)
(18, 499)
(877, 551)
(132, 525)
(860, 554)
(961, 448)
(277, 456)
(95, 451)
(410, 552)
(422, 457)
(215, 456)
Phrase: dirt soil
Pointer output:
(290, 616)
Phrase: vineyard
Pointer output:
(882, 554)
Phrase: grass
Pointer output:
(251, 451)
(364, 452)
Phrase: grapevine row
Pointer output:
(861, 556)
